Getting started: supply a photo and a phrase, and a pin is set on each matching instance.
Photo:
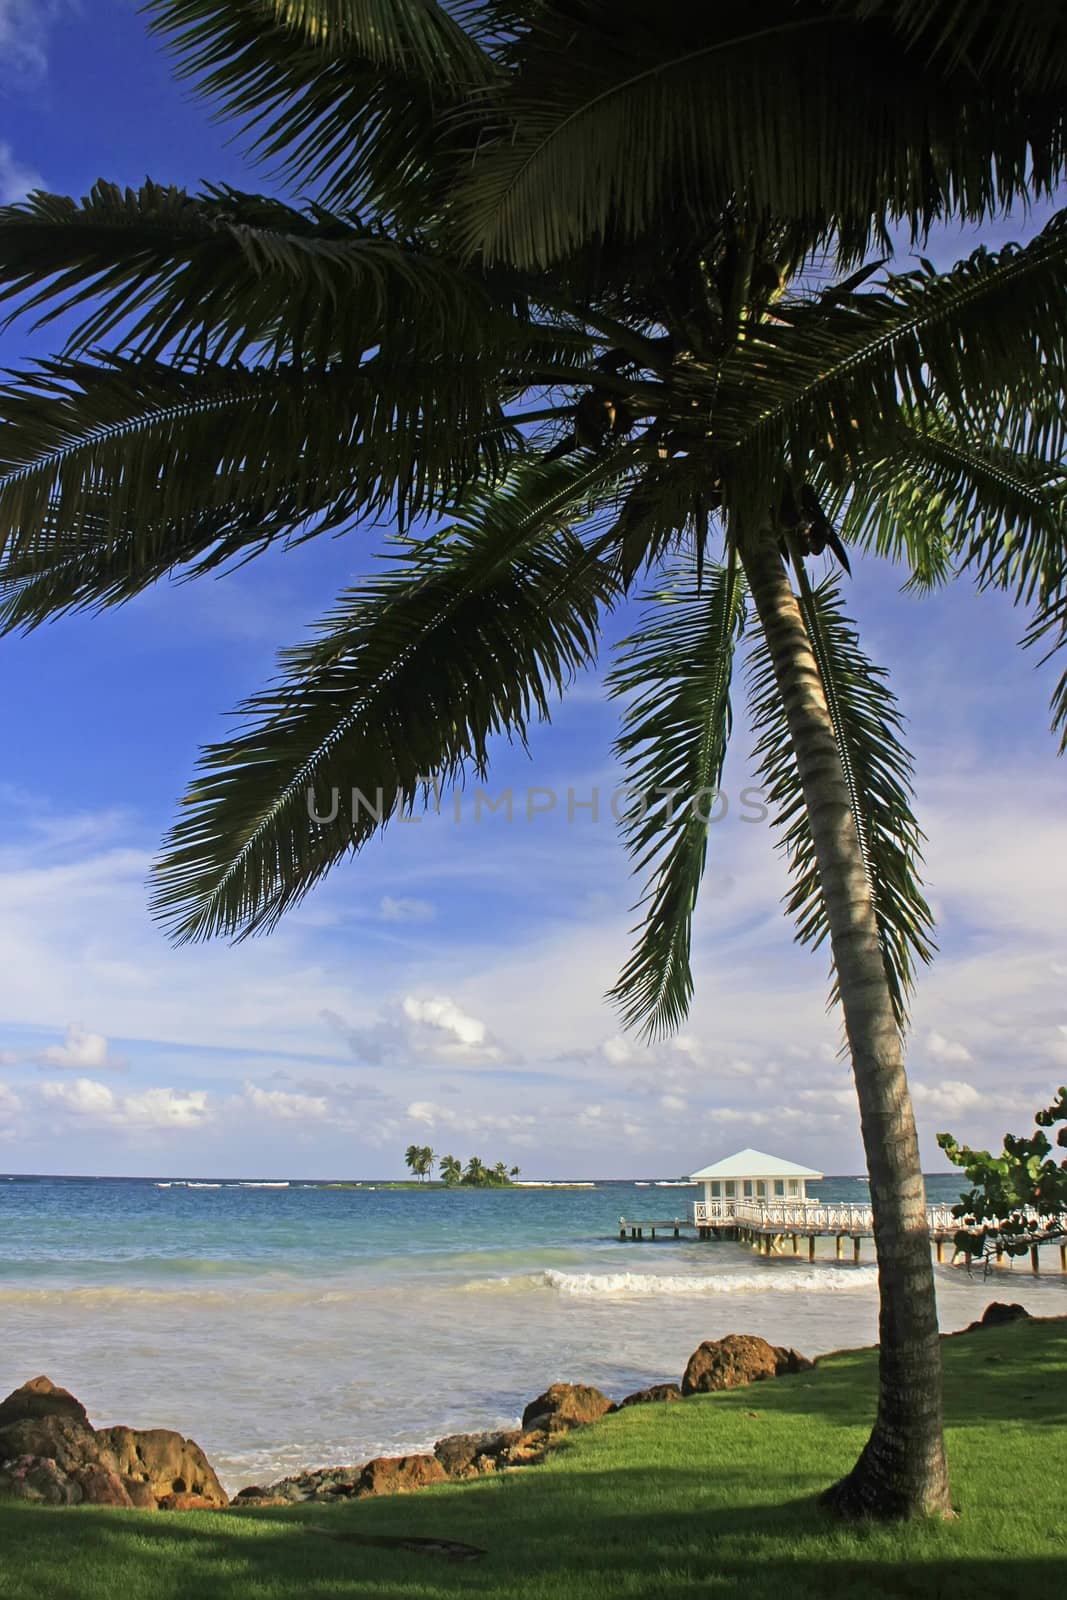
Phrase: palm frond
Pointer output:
(619, 122)
(224, 273)
(1023, 39)
(947, 498)
(928, 343)
(141, 453)
(464, 637)
(675, 673)
(1050, 623)
(335, 111)
(867, 727)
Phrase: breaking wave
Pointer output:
(645, 1285)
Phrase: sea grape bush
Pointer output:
(1018, 1196)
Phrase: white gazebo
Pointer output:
(749, 1182)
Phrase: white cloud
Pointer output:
(401, 909)
(463, 1034)
(16, 180)
(149, 1109)
(286, 1107)
(430, 1115)
(948, 1098)
(81, 1050)
(673, 1104)
(9, 1102)
(24, 26)
(617, 1050)
(949, 1051)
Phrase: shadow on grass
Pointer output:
(594, 1536)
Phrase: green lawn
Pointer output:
(712, 1497)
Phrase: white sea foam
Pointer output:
(645, 1285)
(619, 1284)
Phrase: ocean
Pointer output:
(302, 1326)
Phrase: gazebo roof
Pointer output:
(754, 1164)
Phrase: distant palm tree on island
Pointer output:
(476, 1175)
(451, 1171)
(419, 1158)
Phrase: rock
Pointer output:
(528, 1448)
(995, 1315)
(654, 1395)
(41, 1398)
(75, 1462)
(62, 1439)
(168, 1463)
(567, 1405)
(324, 1483)
(257, 1495)
(38, 1478)
(102, 1487)
(999, 1311)
(141, 1496)
(188, 1502)
(790, 1360)
(738, 1359)
(399, 1475)
(472, 1455)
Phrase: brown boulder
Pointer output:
(41, 1398)
(472, 1455)
(75, 1462)
(165, 1461)
(398, 1475)
(187, 1502)
(528, 1448)
(995, 1315)
(101, 1487)
(739, 1359)
(1000, 1311)
(257, 1495)
(38, 1478)
(657, 1393)
(567, 1405)
(141, 1496)
(62, 1439)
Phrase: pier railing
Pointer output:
(807, 1214)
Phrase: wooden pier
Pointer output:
(777, 1229)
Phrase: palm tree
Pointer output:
(424, 1165)
(500, 1174)
(451, 1171)
(646, 381)
(476, 1175)
(412, 1157)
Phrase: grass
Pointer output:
(715, 1497)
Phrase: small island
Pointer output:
(453, 1174)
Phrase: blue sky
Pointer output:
(447, 988)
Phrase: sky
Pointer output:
(447, 988)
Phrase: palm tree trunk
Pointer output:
(902, 1470)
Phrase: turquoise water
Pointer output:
(303, 1326)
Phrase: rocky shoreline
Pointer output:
(51, 1453)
